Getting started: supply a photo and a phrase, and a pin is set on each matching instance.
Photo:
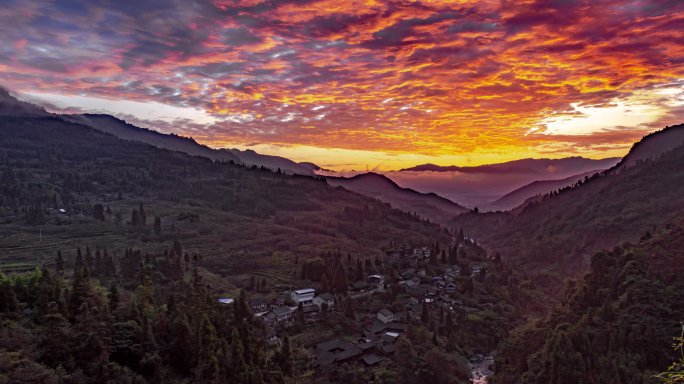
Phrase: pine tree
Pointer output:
(285, 357)
(157, 226)
(89, 259)
(79, 264)
(59, 263)
(143, 216)
(114, 296)
(324, 283)
(135, 218)
(425, 314)
(177, 247)
(349, 309)
(8, 299)
(341, 282)
(207, 370)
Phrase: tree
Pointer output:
(359, 270)
(340, 282)
(59, 263)
(98, 212)
(79, 264)
(324, 283)
(177, 247)
(207, 370)
(285, 357)
(8, 299)
(406, 355)
(114, 296)
(135, 218)
(425, 314)
(89, 259)
(143, 216)
(157, 226)
(349, 308)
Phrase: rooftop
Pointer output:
(326, 296)
(282, 311)
(303, 291)
(385, 312)
(371, 359)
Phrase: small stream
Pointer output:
(481, 366)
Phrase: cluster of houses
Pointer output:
(410, 256)
(277, 313)
(376, 342)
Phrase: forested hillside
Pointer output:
(564, 228)
(614, 325)
(235, 218)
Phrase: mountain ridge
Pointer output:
(429, 205)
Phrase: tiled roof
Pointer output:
(371, 359)
(282, 311)
(386, 312)
(326, 296)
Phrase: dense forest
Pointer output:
(615, 324)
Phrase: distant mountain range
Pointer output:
(562, 230)
(536, 188)
(427, 205)
(567, 166)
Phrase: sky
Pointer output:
(355, 85)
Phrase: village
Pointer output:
(365, 326)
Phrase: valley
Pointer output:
(277, 278)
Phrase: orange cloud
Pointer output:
(428, 77)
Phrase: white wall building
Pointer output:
(304, 296)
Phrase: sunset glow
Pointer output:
(349, 84)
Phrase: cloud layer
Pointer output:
(427, 77)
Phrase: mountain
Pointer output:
(238, 218)
(126, 131)
(615, 324)
(562, 230)
(13, 107)
(561, 167)
(537, 188)
(429, 205)
(250, 157)
(653, 145)
(482, 185)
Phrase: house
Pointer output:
(388, 349)
(371, 360)
(477, 268)
(412, 300)
(277, 302)
(325, 298)
(385, 315)
(446, 299)
(271, 336)
(258, 305)
(311, 313)
(377, 280)
(304, 296)
(332, 351)
(283, 315)
(398, 255)
(424, 252)
(359, 286)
